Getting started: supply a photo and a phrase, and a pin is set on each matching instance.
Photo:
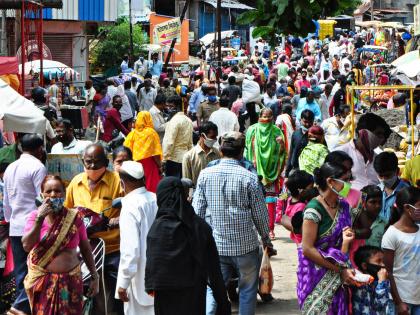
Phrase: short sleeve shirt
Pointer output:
(406, 270)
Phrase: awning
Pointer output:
(210, 37)
(17, 4)
(229, 4)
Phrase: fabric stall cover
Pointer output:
(9, 65)
(18, 113)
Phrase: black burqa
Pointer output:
(182, 257)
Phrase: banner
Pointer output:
(165, 32)
(67, 166)
(416, 12)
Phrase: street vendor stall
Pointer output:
(410, 109)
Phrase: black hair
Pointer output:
(297, 222)
(207, 127)
(232, 80)
(342, 108)
(148, 75)
(235, 69)
(66, 122)
(307, 115)
(133, 80)
(270, 84)
(370, 192)
(120, 149)
(31, 142)
(115, 97)
(283, 58)
(327, 170)
(287, 109)
(384, 162)
(230, 151)
(338, 157)
(408, 195)
(371, 122)
(224, 101)
(160, 99)
(298, 180)
(127, 85)
(303, 92)
(176, 100)
(3, 166)
(363, 254)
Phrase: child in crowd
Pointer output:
(373, 298)
(386, 166)
(401, 245)
(300, 185)
(364, 216)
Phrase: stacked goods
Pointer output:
(380, 97)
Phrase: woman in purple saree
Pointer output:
(323, 268)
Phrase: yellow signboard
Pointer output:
(165, 32)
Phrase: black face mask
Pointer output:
(373, 270)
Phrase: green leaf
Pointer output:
(247, 17)
(281, 6)
(261, 31)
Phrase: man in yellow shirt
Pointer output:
(411, 171)
(95, 189)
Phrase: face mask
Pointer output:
(122, 185)
(390, 182)
(212, 98)
(373, 270)
(265, 120)
(415, 214)
(95, 175)
(57, 204)
(343, 193)
(209, 143)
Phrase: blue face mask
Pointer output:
(57, 204)
(212, 98)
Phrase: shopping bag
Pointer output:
(266, 275)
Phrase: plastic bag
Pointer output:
(88, 307)
(266, 280)
(250, 91)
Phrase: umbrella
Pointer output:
(51, 68)
(409, 64)
(18, 113)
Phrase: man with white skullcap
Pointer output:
(138, 212)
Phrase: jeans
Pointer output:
(21, 270)
(414, 309)
(246, 266)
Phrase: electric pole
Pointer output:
(219, 44)
(131, 54)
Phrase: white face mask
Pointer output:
(209, 143)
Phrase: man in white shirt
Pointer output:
(112, 89)
(159, 122)
(335, 128)
(223, 118)
(90, 92)
(138, 212)
(67, 144)
(147, 95)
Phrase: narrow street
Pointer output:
(284, 270)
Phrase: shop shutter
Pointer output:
(61, 48)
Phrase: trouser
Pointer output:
(246, 266)
(173, 169)
(116, 306)
(20, 271)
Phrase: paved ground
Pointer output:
(284, 271)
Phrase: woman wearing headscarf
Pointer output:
(182, 257)
(265, 148)
(144, 142)
(125, 111)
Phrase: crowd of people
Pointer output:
(203, 180)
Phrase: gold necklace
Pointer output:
(332, 207)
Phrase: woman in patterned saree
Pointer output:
(323, 268)
(265, 148)
(52, 235)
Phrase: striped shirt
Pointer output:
(234, 203)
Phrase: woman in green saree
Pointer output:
(266, 150)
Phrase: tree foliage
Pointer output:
(274, 17)
(115, 44)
